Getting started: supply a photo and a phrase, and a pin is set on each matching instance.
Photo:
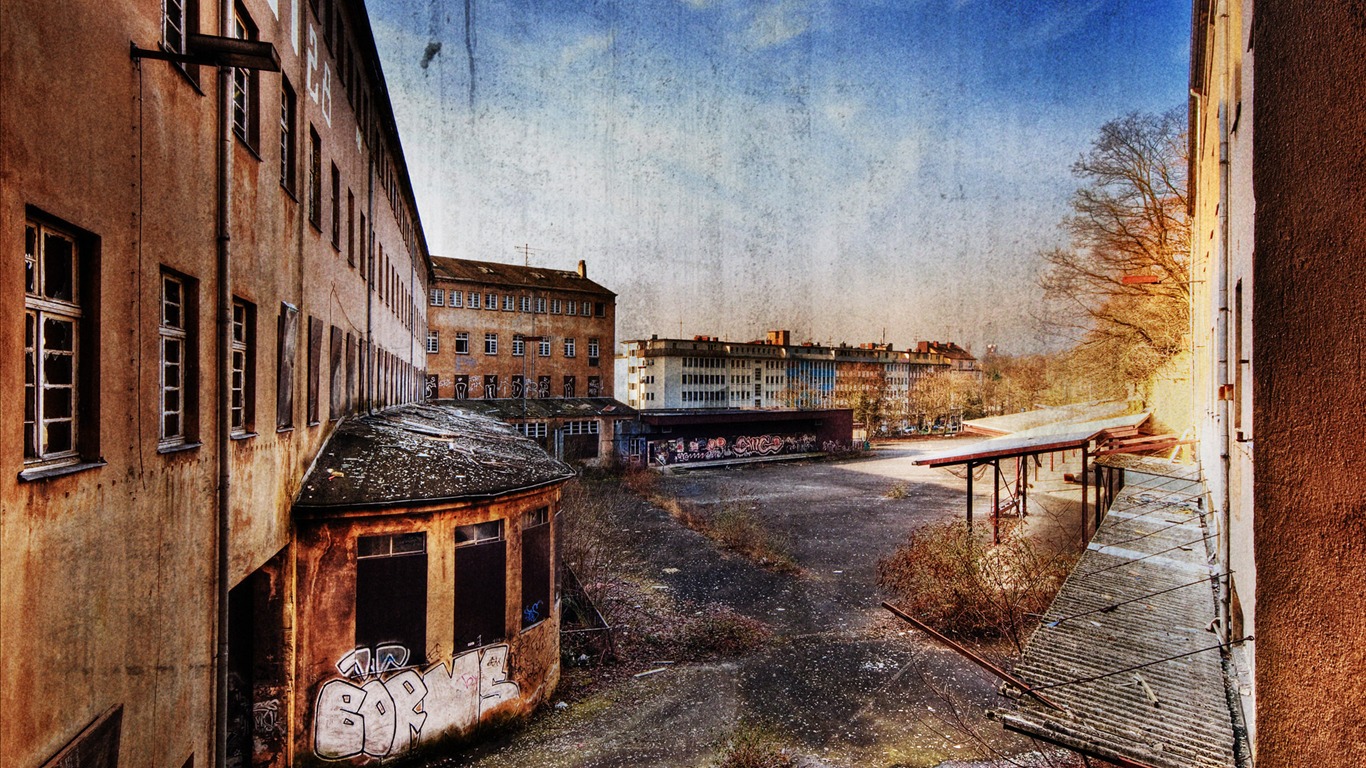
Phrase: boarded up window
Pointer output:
(569, 386)
(315, 361)
(95, 747)
(285, 349)
(480, 585)
(391, 594)
(336, 387)
(350, 373)
(535, 567)
(462, 387)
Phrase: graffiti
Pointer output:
(686, 450)
(380, 710)
(533, 613)
(266, 720)
(431, 386)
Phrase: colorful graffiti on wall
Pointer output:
(380, 709)
(685, 450)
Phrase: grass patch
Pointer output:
(897, 491)
(751, 748)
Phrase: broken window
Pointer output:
(462, 340)
(288, 111)
(535, 567)
(315, 361)
(336, 206)
(391, 595)
(480, 585)
(315, 179)
(335, 385)
(286, 347)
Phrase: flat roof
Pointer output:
(1125, 649)
(535, 408)
(1065, 436)
(1011, 423)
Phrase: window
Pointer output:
(457, 299)
(533, 429)
(242, 402)
(350, 228)
(285, 349)
(543, 386)
(540, 305)
(289, 106)
(177, 355)
(179, 20)
(544, 350)
(593, 350)
(490, 343)
(336, 207)
(571, 308)
(315, 361)
(536, 568)
(524, 304)
(518, 345)
(245, 86)
(569, 347)
(555, 307)
(433, 347)
(569, 386)
(480, 585)
(61, 369)
(336, 385)
(438, 297)
(581, 427)
(391, 596)
(462, 386)
(462, 343)
(315, 179)
(518, 384)
(508, 302)
(491, 301)
(600, 309)
(474, 300)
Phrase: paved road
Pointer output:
(841, 683)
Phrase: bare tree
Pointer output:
(1121, 290)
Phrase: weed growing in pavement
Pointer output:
(752, 748)
(738, 529)
(963, 586)
(897, 491)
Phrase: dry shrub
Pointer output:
(963, 586)
(751, 748)
(897, 491)
(739, 530)
(718, 631)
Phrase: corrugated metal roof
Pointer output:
(422, 453)
(515, 276)
(1063, 436)
(1141, 596)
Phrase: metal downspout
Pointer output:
(1225, 507)
(224, 311)
(369, 277)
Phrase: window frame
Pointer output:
(462, 342)
(518, 345)
(570, 347)
(490, 343)
(242, 364)
(545, 345)
(246, 85)
(315, 179)
(179, 332)
(289, 118)
(433, 343)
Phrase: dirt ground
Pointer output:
(840, 682)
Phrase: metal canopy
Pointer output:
(1045, 439)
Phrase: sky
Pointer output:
(850, 170)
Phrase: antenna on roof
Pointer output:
(526, 251)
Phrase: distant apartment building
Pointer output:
(501, 331)
(706, 372)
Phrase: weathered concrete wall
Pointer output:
(338, 685)
(1310, 312)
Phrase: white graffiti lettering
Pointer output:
(385, 716)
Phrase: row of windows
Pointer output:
(492, 387)
(716, 396)
(703, 378)
(462, 345)
(391, 585)
(703, 362)
(508, 303)
(61, 362)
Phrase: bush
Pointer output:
(750, 748)
(962, 586)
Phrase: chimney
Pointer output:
(583, 269)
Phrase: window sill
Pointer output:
(284, 430)
(45, 473)
(242, 436)
(178, 448)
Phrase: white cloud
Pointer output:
(774, 24)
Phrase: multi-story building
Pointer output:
(706, 372)
(507, 331)
(219, 267)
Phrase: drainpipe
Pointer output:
(224, 307)
(369, 278)
(1225, 506)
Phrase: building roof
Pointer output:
(515, 276)
(536, 408)
(1125, 649)
(425, 453)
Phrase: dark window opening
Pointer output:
(480, 585)
(536, 568)
(391, 595)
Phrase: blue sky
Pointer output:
(851, 171)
